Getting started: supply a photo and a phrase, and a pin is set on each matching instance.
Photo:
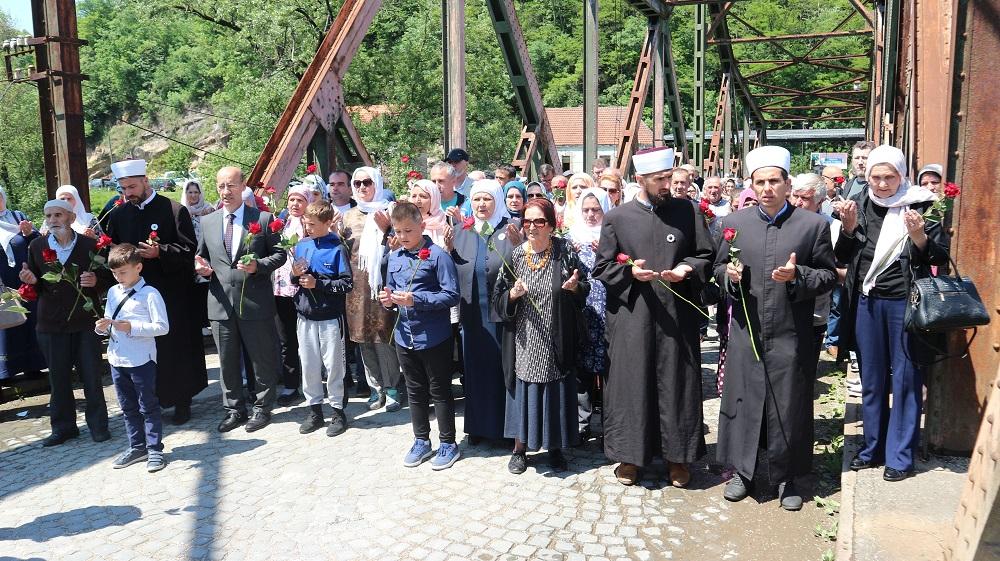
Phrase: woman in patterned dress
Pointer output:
(543, 330)
(584, 235)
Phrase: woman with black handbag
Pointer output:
(887, 242)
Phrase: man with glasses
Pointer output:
(445, 176)
(652, 399)
(339, 191)
(833, 180)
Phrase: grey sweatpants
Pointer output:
(381, 365)
(321, 351)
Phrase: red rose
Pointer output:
(277, 225)
(424, 254)
(468, 223)
(708, 213)
(28, 292)
(838, 180)
(405, 159)
(951, 190)
(154, 236)
(414, 174)
(49, 255)
(703, 205)
(103, 242)
(270, 190)
(729, 234)
(253, 228)
(623, 258)
(559, 224)
(311, 168)
(119, 202)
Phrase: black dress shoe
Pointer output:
(101, 436)
(58, 438)
(789, 495)
(182, 414)
(518, 463)
(232, 420)
(894, 475)
(858, 464)
(258, 421)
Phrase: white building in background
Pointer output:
(567, 128)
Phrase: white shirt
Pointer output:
(146, 313)
(62, 253)
(465, 187)
(237, 228)
(142, 205)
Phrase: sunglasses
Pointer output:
(614, 190)
(366, 182)
(536, 196)
(536, 222)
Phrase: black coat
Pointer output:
(653, 395)
(773, 395)
(569, 327)
(913, 262)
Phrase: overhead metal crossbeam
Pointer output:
(768, 102)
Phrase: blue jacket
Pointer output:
(434, 284)
(330, 265)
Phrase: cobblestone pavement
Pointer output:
(276, 495)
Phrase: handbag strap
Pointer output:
(942, 352)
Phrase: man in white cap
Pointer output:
(652, 399)
(785, 262)
(162, 230)
(64, 324)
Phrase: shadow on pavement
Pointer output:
(72, 522)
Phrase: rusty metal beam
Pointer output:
(526, 92)
(633, 111)
(795, 37)
(719, 18)
(813, 119)
(809, 107)
(711, 163)
(60, 95)
(822, 58)
(741, 89)
(317, 101)
(864, 12)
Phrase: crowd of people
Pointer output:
(545, 298)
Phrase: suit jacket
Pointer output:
(229, 285)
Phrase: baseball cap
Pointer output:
(456, 155)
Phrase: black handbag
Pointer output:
(944, 303)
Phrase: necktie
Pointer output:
(227, 240)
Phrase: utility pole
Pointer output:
(700, 46)
(453, 41)
(590, 47)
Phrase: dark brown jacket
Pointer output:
(56, 300)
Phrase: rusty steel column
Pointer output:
(60, 97)
(934, 37)
(453, 42)
(957, 391)
(659, 98)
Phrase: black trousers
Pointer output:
(428, 375)
(259, 339)
(284, 322)
(63, 351)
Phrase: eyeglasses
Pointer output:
(366, 182)
(536, 222)
(536, 196)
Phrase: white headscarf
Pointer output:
(580, 232)
(436, 221)
(370, 249)
(293, 224)
(83, 218)
(630, 191)
(492, 188)
(892, 236)
(7, 231)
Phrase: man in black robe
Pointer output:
(652, 399)
(162, 230)
(785, 261)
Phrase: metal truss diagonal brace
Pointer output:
(633, 113)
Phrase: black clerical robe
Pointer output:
(652, 399)
(180, 354)
(769, 403)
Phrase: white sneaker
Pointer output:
(854, 388)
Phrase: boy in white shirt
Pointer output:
(134, 316)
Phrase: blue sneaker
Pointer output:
(420, 451)
(447, 455)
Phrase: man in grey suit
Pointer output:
(241, 302)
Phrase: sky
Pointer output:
(20, 10)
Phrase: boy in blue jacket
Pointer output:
(323, 272)
(422, 283)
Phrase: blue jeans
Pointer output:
(893, 434)
(136, 389)
(833, 323)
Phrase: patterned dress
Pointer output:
(594, 356)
